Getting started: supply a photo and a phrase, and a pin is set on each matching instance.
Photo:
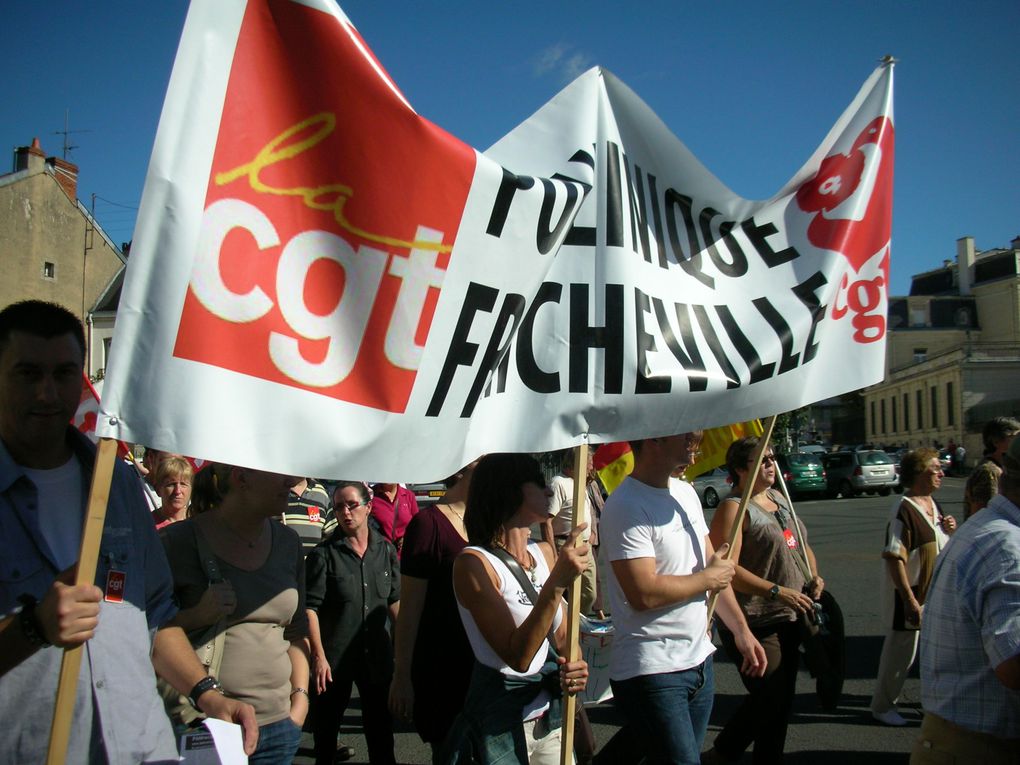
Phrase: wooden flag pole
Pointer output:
(766, 436)
(796, 521)
(88, 558)
(574, 603)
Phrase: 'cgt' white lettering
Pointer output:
(363, 272)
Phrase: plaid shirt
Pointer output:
(972, 624)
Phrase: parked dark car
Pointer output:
(803, 473)
(852, 473)
(712, 486)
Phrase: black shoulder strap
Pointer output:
(210, 566)
(515, 568)
(524, 581)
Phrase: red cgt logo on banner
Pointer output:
(330, 214)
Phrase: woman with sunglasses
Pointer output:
(772, 586)
(510, 595)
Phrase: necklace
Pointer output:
(928, 508)
(530, 567)
(459, 515)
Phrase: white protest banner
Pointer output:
(324, 283)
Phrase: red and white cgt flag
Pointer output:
(324, 283)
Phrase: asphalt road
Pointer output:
(847, 536)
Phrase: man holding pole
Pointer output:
(45, 469)
(662, 565)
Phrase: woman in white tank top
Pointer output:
(508, 633)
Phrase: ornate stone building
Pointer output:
(953, 353)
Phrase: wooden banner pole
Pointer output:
(763, 441)
(88, 558)
(574, 603)
(796, 521)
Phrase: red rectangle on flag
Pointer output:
(330, 213)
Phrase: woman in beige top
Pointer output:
(773, 587)
(259, 601)
(916, 534)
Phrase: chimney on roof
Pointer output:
(965, 263)
(29, 157)
(66, 174)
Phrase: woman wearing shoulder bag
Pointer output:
(510, 595)
(775, 588)
(260, 603)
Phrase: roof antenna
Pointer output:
(68, 146)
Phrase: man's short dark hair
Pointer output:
(41, 319)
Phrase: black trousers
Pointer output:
(763, 716)
(328, 709)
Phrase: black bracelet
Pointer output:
(31, 629)
(207, 683)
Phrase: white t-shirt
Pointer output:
(561, 507)
(639, 521)
(60, 509)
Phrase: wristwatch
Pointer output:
(207, 683)
(773, 592)
(31, 630)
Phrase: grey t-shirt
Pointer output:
(766, 552)
(270, 613)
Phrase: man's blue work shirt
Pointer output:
(118, 715)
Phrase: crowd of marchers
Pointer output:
(263, 599)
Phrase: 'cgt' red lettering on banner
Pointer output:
(329, 218)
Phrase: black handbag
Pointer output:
(825, 651)
(823, 638)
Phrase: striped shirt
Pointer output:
(306, 513)
(972, 624)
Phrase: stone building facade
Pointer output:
(51, 247)
(953, 353)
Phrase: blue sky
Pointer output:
(750, 88)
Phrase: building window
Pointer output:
(918, 317)
(920, 409)
(882, 405)
(895, 425)
(49, 270)
(920, 354)
(950, 405)
(872, 417)
(934, 407)
(906, 412)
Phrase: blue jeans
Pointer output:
(669, 712)
(278, 743)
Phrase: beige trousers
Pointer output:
(944, 743)
(898, 652)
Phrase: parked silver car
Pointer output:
(852, 473)
(712, 486)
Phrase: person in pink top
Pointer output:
(393, 507)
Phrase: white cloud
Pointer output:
(560, 59)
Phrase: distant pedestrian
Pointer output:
(998, 434)
(916, 534)
(982, 485)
